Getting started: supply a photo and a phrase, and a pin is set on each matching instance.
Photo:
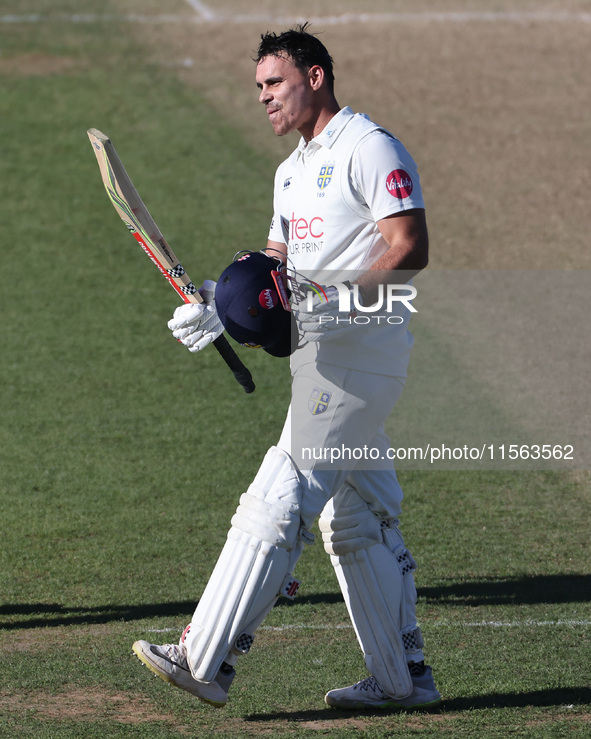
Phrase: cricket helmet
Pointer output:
(248, 297)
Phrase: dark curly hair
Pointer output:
(305, 49)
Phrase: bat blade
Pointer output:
(137, 218)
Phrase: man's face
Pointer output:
(287, 95)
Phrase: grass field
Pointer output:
(122, 456)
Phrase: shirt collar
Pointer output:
(330, 133)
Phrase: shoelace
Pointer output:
(416, 668)
(173, 652)
(369, 684)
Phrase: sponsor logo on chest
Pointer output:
(304, 235)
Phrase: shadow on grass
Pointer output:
(55, 614)
(513, 591)
(543, 589)
(541, 698)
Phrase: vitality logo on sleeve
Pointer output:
(399, 184)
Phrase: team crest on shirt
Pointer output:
(325, 176)
(318, 401)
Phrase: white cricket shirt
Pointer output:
(328, 196)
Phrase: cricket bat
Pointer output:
(143, 228)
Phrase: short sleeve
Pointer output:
(385, 176)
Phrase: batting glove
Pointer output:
(324, 321)
(197, 324)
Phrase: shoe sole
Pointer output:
(416, 707)
(137, 650)
(388, 705)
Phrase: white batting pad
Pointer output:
(254, 567)
(411, 633)
(372, 583)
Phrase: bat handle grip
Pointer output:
(241, 373)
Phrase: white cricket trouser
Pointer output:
(334, 424)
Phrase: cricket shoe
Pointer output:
(368, 693)
(169, 663)
(422, 676)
